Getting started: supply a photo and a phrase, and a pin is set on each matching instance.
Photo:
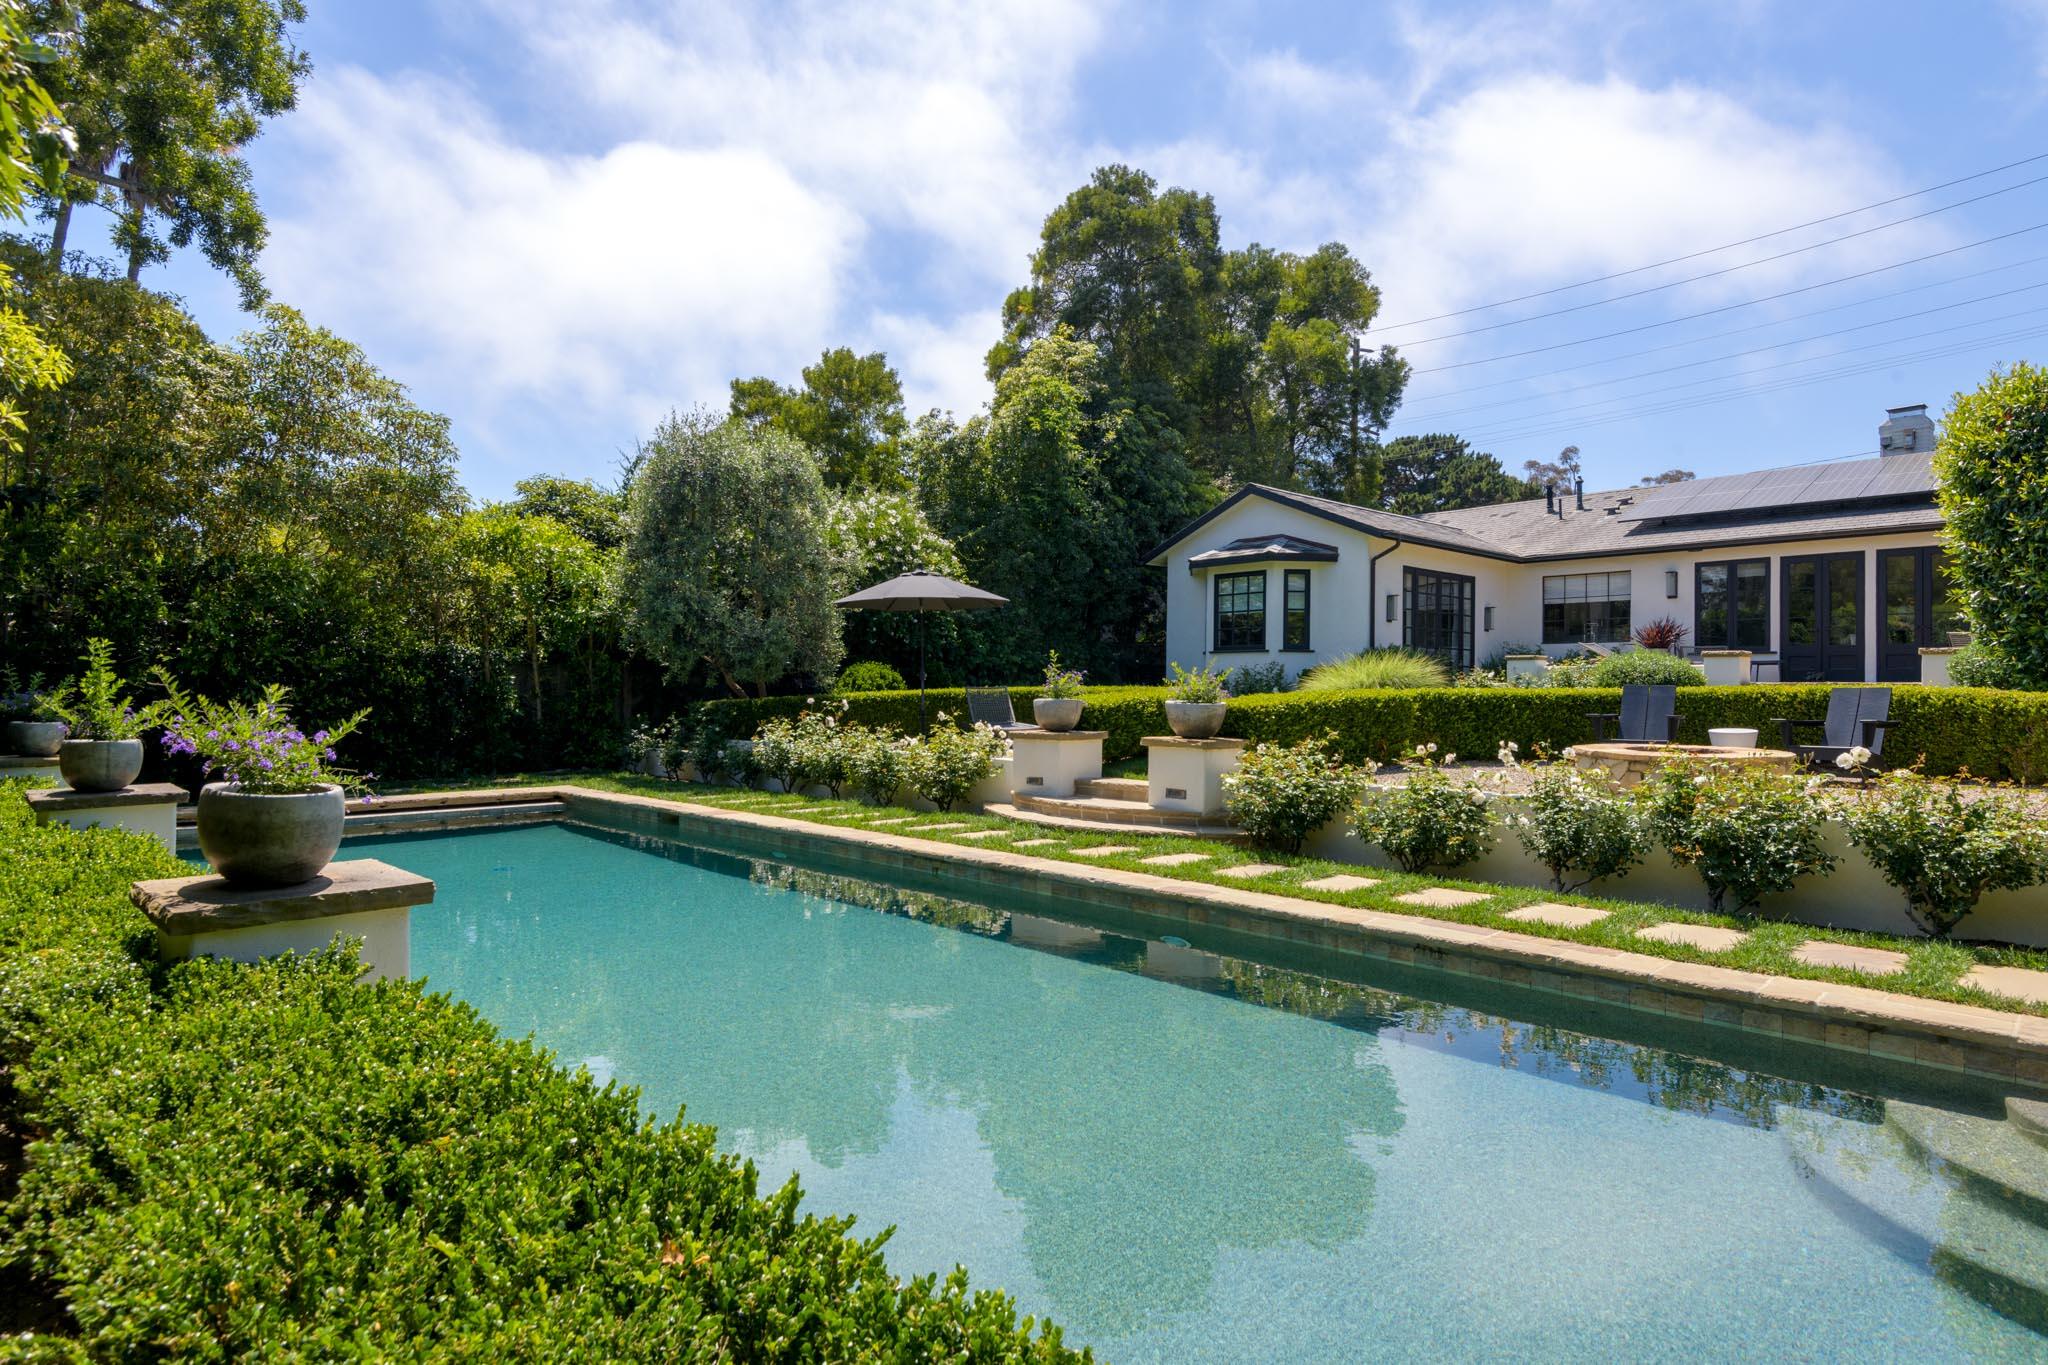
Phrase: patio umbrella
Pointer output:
(921, 591)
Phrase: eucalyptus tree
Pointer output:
(163, 95)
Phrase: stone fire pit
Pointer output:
(1629, 764)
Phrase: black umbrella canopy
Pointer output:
(921, 590)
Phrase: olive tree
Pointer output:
(1992, 462)
(727, 561)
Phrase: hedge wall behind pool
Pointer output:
(1987, 733)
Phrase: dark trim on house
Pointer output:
(1413, 529)
(1287, 577)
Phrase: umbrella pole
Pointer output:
(921, 725)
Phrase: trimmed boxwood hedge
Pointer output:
(1990, 734)
(280, 1162)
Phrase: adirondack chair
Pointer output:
(1648, 715)
(991, 706)
(1857, 716)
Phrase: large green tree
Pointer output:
(726, 563)
(1439, 472)
(163, 96)
(1992, 463)
(848, 410)
(592, 511)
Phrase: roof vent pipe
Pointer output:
(1579, 490)
(1549, 498)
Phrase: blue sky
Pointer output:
(555, 220)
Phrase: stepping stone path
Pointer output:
(1105, 850)
(899, 820)
(1442, 898)
(987, 834)
(1343, 881)
(1248, 870)
(1033, 843)
(1564, 916)
(2014, 981)
(1877, 961)
(1176, 859)
(934, 829)
(1710, 937)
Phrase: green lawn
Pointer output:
(1933, 969)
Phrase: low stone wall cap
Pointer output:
(190, 905)
(28, 761)
(1032, 732)
(1727, 653)
(1941, 649)
(1176, 742)
(57, 802)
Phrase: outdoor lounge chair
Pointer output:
(1648, 715)
(1856, 716)
(991, 706)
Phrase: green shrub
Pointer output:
(280, 1162)
(867, 676)
(1203, 686)
(1061, 684)
(943, 766)
(1390, 667)
(775, 752)
(1250, 679)
(1992, 467)
(1645, 666)
(1749, 831)
(1978, 664)
(874, 764)
(1577, 823)
(93, 705)
(1944, 849)
(1429, 820)
(1279, 795)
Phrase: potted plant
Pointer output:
(1060, 707)
(273, 815)
(1195, 702)
(30, 728)
(103, 752)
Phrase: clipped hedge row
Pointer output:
(1990, 734)
(280, 1162)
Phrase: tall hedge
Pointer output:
(1992, 461)
(1990, 734)
(279, 1162)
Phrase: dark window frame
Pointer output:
(1217, 645)
(1288, 643)
(1461, 649)
(1563, 635)
(1734, 632)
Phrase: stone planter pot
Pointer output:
(99, 765)
(261, 840)
(35, 738)
(1057, 713)
(1195, 719)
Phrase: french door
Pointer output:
(1821, 630)
(1921, 606)
(1436, 615)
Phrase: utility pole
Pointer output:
(1353, 386)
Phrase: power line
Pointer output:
(1758, 350)
(1709, 251)
(1725, 270)
(1731, 307)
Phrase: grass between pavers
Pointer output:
(1933, 969)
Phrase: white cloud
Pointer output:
(942, 364)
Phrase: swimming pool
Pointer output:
(1182, 1155)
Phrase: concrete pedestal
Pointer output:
(1934, 666)
(1187, 774)
(1050, 762)
(206, 917)
(147, 808)
(31, 767)
(1528, 665)
(1725, 667)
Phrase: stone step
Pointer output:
(1108, 817)
(1113, 788)
(2029, 1116)
(2004, 1164)
(1872, 1177)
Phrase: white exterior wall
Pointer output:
(1344, 619)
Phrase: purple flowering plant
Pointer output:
(256, 747)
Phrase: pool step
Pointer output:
(1113, 788)
(2000, 1160)
(1876, 1180)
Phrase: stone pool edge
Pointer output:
(1856, 1019)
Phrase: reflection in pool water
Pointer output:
(1179, 1155)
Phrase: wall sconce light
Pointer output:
(1671, 582)
(1489, 616)
(1393, 604)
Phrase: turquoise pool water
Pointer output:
(1181, 1156)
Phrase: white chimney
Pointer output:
(1905, 430)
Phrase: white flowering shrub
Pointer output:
(1942, 848)
(1749, 831)
(874, 763)
(943, 766)
(1429, 820)
(1282, 793)
(1578, 823)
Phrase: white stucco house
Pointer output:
(1828, 571)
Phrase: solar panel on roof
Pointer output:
(1772, 489)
